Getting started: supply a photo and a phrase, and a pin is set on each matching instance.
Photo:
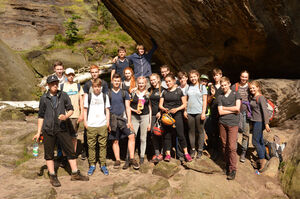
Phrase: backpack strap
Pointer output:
(62, 87)
(236, 87)
(104, 101)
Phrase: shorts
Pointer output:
(72, 127)
(65, 141)
(119, 134)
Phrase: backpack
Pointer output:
(270, 107)
(62, 87)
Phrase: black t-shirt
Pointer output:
(233, 118)
(214, 103)
(172, 99)
(135, 100)
(154, 98)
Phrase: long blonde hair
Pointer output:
(159, 83)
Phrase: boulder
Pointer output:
(204, 165)
(11, 113)
(261, 36)
(166, 169)
(272, 168)
(17, 80)
(285, 95)
(42, 60)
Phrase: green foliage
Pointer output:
(72, 30)
(105, 16)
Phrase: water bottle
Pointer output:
(35, 151)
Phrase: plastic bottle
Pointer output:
(35, 151)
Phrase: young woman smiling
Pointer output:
(173, 101)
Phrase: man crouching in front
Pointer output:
(54, 109)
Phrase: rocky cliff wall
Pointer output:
(17, 80)
(260, 35)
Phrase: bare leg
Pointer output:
(73, 165)
(50, 165)
(131, 145)
(116, 149)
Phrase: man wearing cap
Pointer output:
(75, 93)
(54, 109)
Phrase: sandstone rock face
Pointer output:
(17, 80)
(25, 24)
(262, 36)
(285, 94)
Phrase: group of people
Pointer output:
(139, 100)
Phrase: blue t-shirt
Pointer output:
(117, 105)
(195, 99)
(119, 66)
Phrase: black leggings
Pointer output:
(170, 131)
(196, 126)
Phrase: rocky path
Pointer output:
(19, 179)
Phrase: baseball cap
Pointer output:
(70, 71)
(203, 76)
(52, 78)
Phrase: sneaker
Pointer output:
(199, 154)
(188, 158)
(155, 159)
(79, 176)
(91, 170)
(141, 160)
(160, 157)
(193, 153)
(167, 158)
(104, 170)
(126, 165)
(117, 164)
(134, 164)
(242, 157)
(54, 181)
(231, 175)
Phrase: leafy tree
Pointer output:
(71, 30)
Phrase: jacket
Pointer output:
(142, 64)
(52, 124)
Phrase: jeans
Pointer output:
(258, 140)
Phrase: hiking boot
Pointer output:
(104, 170)
(263, 165)
(54, 181)
(155, 159)
(231, 175)
(117, 164)
(126, 165)
(188, 158)
(160, 157)
(141, 161)
(91, 170)
(242, 157)
(78, 176)
(167, 158)
(199, 154)
(134, 164)
(193, 153)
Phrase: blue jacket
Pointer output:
(142, 64)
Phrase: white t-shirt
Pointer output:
(96, 116)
